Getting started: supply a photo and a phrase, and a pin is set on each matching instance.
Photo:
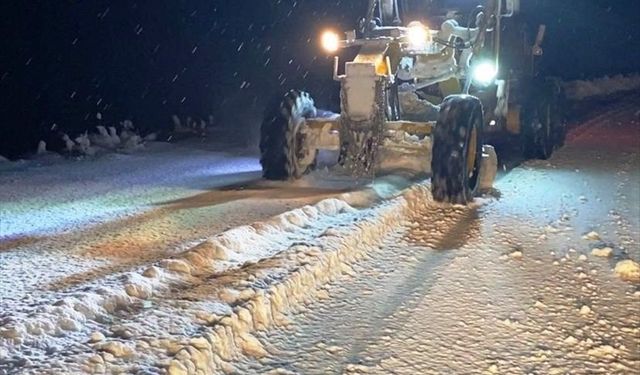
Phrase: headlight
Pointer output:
(330, 41)
(484, 73)
(418, 35)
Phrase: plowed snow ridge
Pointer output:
(302, 250)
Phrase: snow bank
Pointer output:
(106, 140)
(315, 266)
(579, 90)
(259, 272)
(3, 159)
(103, 298)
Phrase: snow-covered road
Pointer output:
(63, 223)
(69, 222)
(512, 286)
(178, 260)
(71, 226)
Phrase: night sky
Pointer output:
(64, 61)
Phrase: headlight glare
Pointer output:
(418, 35)
(484, 73)
(330, 41)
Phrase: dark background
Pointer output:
(64, 61)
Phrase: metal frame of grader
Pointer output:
(398, 62)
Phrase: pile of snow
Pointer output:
(591, 236)
(604, 351)
(3, 159)
(602, 252)
(403, 151)
(279, 265)
(190, 126)
(109, 139)
(76, 311)
(628, 270)
(105, 140)
(316, 266)
(579, 90)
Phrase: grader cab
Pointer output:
(432, 80)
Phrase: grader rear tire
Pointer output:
(457, 150)
(282, 152)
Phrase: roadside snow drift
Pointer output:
(218, 254)
(310, 267)
(579, 90)
(249, 276)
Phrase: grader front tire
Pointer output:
(457, 150)
(282, 152)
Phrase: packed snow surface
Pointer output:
(517, 285)
(88, 245)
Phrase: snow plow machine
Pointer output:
(418, 93)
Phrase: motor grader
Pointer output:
(432, 79)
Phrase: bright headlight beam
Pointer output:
(417, 35)
(484, 73)
(330, 41)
